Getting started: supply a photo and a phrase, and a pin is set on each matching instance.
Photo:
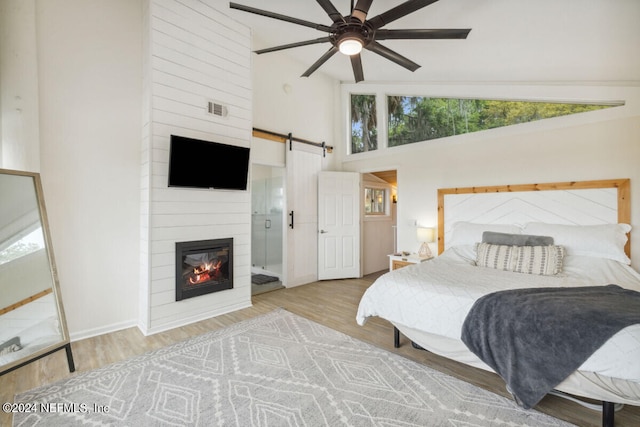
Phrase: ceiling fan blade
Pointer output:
(324, 58)
(331, 10)
(290, 45)
(449, 33)
(398, 12)
(285, 18)
(392, 56)
(356, 64)
(361, 9)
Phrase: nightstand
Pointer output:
(399, 261)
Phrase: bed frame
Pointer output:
(575, 202)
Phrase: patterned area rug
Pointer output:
(278, 369)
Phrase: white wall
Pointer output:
(193, 53)
(596, 145)
(286, 103)
(19, 130)
(90, 74)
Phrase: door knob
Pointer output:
(323, 231)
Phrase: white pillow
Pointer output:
(469, 233)
(600, 241)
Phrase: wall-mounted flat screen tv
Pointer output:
(197, 163)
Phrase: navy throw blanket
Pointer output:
(535, 338)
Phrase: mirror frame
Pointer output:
(65, 343)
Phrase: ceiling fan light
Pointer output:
(350, 46)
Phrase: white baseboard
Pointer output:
(193, 319)
(114, 327)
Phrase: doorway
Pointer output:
(267, 227)
(379, 237)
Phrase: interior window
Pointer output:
(375, 201)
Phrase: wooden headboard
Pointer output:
(578, 202)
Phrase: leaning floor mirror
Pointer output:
(32, 321)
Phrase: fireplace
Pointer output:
(203, 267)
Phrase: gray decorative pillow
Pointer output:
(495, 238)
(541, 260)
(10, 346)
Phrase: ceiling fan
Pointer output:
(350, 34)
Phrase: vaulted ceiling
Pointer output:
(510, 41)
(390, 176)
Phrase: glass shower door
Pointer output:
(267, 203)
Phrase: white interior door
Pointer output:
(304, 162)
(338, 225)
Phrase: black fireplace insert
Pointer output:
(203, 267)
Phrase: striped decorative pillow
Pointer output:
(541, 260)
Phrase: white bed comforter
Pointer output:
(435, 296)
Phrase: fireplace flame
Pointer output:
(205, 272)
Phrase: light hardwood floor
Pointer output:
(332, 303)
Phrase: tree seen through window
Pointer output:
(364, 132)
(413, 118)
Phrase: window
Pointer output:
(364, 132)
(32, 242)
(415, 118)
(375, 201)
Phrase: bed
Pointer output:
(429, 302)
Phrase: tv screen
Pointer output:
(203, 164)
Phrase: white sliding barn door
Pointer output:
(339, 225)
(304, 163)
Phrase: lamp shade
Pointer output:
(425, 234)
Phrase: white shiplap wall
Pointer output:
(194, 53)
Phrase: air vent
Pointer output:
(216, 109)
